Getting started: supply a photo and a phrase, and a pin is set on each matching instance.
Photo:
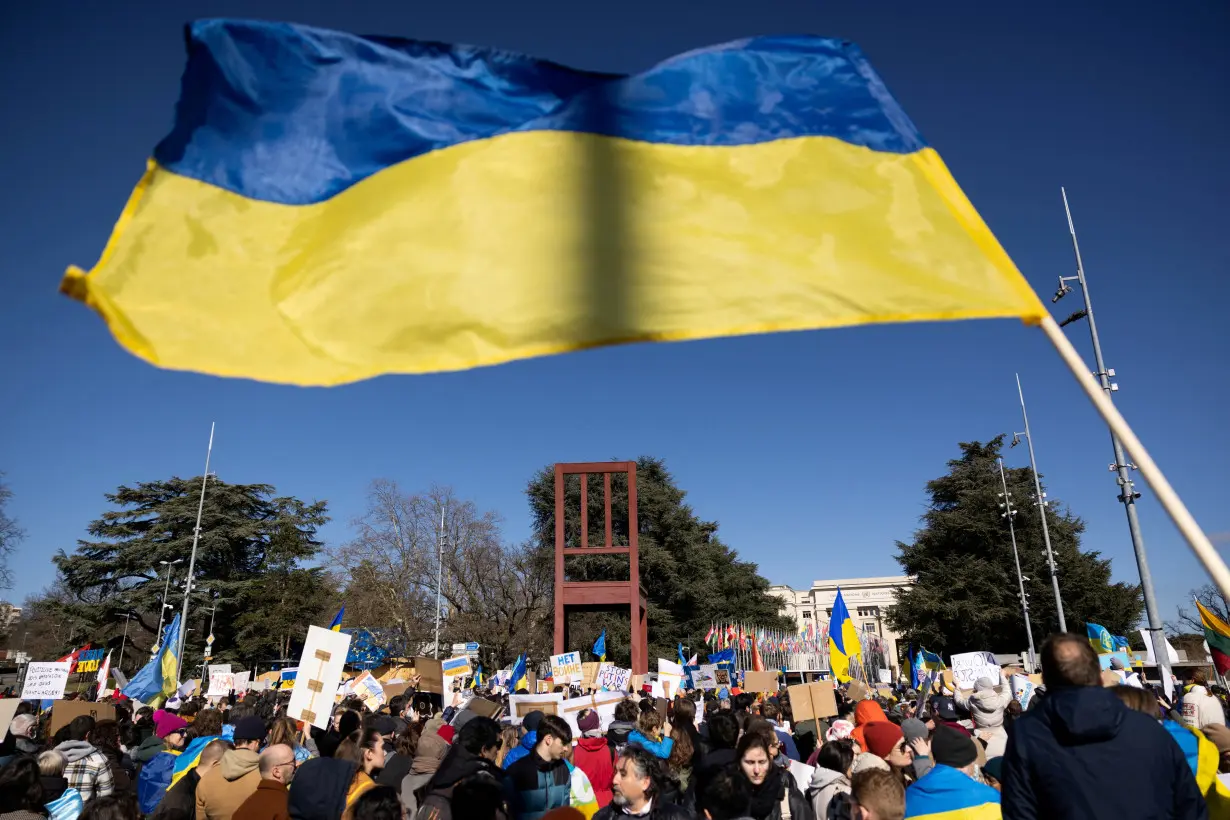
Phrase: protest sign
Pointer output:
(485, 708)
(221, 681)
(241, 681)
(456, 667)
(319, 673)
(45, 681)
(968, 667)
(1122, 656)
(811, 701)
(589, 675)
(721, 677)
(705, 677)
(392, 690)
(367, 688)
(521, 705)
(8, 709)
(613, 678)
(566, 668)
(1022, 689)
(760, 681)
(63, 712)
(603, 702)
(802, 774)
(884, 676)
(666, 667)
(431, 675)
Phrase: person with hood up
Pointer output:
(623, 724)
(529, 725)
(237, 775)
(595, 756)
(1200, 708)
(986, 709)
(831, 777)
(949, 789)
(155, 776)
(867, 711)
(88, 770)
(472, 756)
(427, 758)
(179, 801)
(1082, 753)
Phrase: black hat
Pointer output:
(945, 708)
(250, 728)
(385, 725)
(951, 747)
(531, 721)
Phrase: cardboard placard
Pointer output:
(603, 702)
(858, 691)
(809, 701)
(760, 682)
(884, 692)
(521, 705)
(613, 678)
(431, 675)
(45, 681)
(456, 667)
(589, 675)
(392, 690)
(485, 708)
(63, 712)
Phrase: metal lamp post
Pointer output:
(1009, 512)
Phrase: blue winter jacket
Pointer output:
(535, 786)
(1084, 755)
(527, 745)
(659, 748)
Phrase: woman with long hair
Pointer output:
(285, 731)
(106, 738)
(510, 738)
(364, 748)
(21, 791)
(771, 786)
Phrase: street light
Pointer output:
(166, 589)
(196, 537)
(1008, 512)
(120, 664)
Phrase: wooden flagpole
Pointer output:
(1166, 496)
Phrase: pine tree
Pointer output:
(966, 597)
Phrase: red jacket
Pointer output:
(595, 757)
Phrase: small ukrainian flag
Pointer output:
(336, 625)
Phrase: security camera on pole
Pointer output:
(1121, 466)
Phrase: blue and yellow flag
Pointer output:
(945, 793)
(1100, 638)
(844, 646)
(355, 206)
(476, 682)
(921, 663)
(336, 623)
(158, 679)
(600, 646)
(519, 679)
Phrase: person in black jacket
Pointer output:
(1083, 754)
(723, 735)
(638, 789)
(471, 756)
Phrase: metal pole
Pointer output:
(439, 574)
(1020, 579)
(196, 537)
(120, 663)
(1046, 530)
(1127, 492)
(162, 609)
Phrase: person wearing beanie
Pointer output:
(887, 742)
(950, 785)
(918, 738)
(529, 725)
(155, 777)
(594, 755)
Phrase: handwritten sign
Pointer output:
(566, 668)
(613, 678)
(46, 681)
(968, 667)
(220, 684)
(456, 667)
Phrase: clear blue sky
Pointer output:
(810, 449)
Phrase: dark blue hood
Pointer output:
(1083, 714)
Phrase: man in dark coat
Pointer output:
(179, 803)
(1083, 754)
(472, 756)
(270, 800)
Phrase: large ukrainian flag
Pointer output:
(329, 207)
(845, 648)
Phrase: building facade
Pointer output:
(9, 616)
(867, 599)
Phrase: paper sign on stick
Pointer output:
(760, 681)
(589, 675)
(63, 712)
(45, 681)
(968, 667)
(320, 672)
(566, 668)
(811, 701)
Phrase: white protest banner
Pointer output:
(968, 667)
(566, 668)
(885, 676)
(705, 677)
(521, 705)
(670, 677)
(1022, 690)
(603, 702)
(258, 686)
(802, 774)
(46, 681)
(666, 667)
(219, 669)
(317, 676)
(370, 690)
(613, 678)
(220, 683)
(241, 681)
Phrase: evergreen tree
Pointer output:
(691, 579)
(966, 597)
(248, 555)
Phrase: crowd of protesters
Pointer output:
(1080, 750)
